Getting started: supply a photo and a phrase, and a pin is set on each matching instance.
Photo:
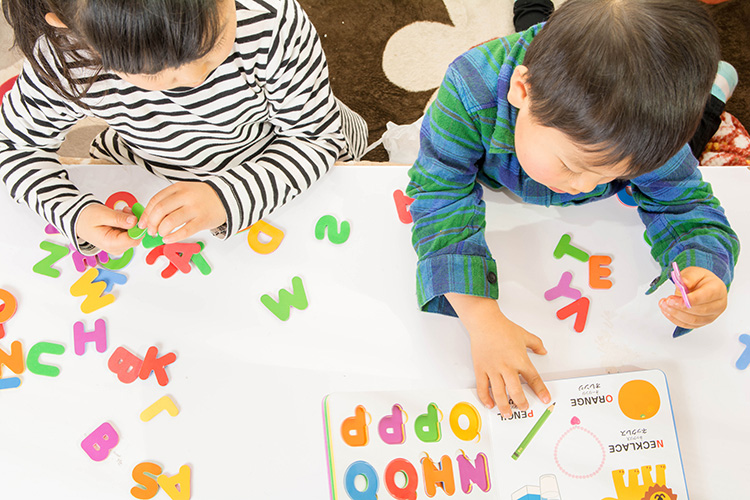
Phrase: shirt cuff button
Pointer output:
(492, 278)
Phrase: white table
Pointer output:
(249, 386)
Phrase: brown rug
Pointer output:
(355, 35)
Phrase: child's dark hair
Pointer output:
(625, 78)
(127, 36)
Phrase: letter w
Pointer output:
(287, 300)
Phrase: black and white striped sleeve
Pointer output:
(33, 124)
(307, 136)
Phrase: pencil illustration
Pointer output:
(533, 432)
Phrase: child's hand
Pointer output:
(106, 228)
(499, 350)
(707, 295)
(193, 205)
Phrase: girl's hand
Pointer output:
(499, 350)
(193, 205)
(707, 295)
(106, 228)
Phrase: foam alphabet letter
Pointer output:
(94, 299)
(110, 279)
(563, 289)
(9, 383)
(125, 365)
(32, 359)
(282, 309)
(391, 427)
(354, 429)
(117, 264)
(180, 254)
(81, 261)
(161, 404)
(479, 473)
(475, 422)
(200, 261)
(7, 309)
(56, 252)
(154, 254)
(427, 425)
(98, 443)
(402, 206)
(364, 469)
(81, 337)
(335, 235)
(14, 360)
(136, 232)
(157, 365)
(409, 490)
(177, 486)
(565, 248)
(580, 308)
(145, 475)
(121, 196)
(264, 227)
(598, 270)
(434, 477)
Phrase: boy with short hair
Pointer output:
(606, 94)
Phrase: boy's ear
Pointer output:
(519, 90)
(53, 20)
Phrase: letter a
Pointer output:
(177, 486)
(282, 309)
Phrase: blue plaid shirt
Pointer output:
(467, 140)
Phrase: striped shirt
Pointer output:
(467, 140)
(261, 128)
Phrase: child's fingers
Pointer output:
(499, 395)
(155, 210)
(535, 382)
(674, 304)
(694, 317)
(483, 389)
(187, 230)
(535, 344)
(515, 391)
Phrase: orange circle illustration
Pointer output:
(639, 400)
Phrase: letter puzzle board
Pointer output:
(607, 437)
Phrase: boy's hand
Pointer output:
(106, 228)
(193, 205)
(499, 350)
(707, 295)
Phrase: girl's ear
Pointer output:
(53, 20)
(518, 91)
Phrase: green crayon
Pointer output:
(533, 432)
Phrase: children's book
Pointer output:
(607, 437)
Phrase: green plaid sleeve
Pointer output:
(684, 220)
(448, 211)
